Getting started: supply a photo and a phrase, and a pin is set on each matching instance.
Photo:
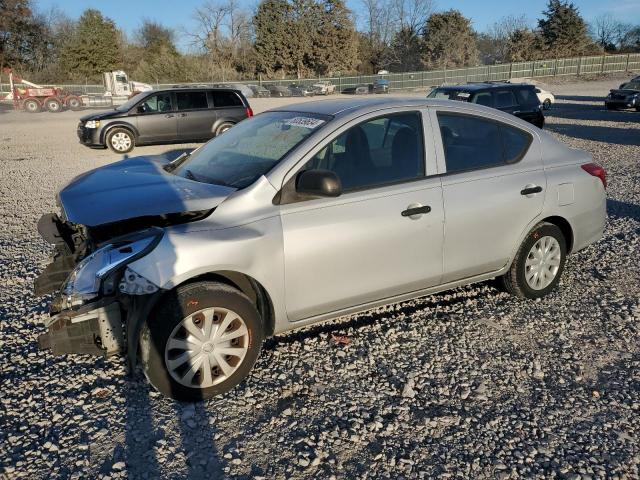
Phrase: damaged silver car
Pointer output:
(303, 214)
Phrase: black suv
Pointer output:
(165, 116)
(518, 99)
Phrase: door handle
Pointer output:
(182, 115)
(530, 190)
(515, 112)
(415, 210)
(169, 115)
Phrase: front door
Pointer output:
(156, 119)
(381, 238)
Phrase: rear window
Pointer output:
(505, 99)
(226, 99)
(472, 143)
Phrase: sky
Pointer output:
(177, 14)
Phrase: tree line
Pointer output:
(293, 38)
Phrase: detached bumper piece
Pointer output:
(96, 332)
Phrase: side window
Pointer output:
(483, 98)
(378, 152)
(516, 143)
(192, 100)
(156, 103)
(226, 99)
(472, 143)
(527, 96)
(505, 99)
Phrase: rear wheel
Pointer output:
(120, 140)
(53, 105)
(223, 127)
(74, 102)
(538, 264)
(202, 341)
(31, 106)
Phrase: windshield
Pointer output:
(631, 86)
(449, 94)
(250, 149)
(128, 105)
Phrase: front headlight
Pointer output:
(92, 124)
(83, 284)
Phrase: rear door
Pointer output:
(493, 186)
(228, 106)
(196, 117)
(156, 119)
(529, 104)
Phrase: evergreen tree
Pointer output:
(335, 44)
(449, 41)
(563, 30)
(270, 24)
(405, 51)
(524, 45)
(93, 48)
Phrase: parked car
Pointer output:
(259, 91)
(627, 96)
(380, 85)
(323, 88)
(545, 98)
(303, 214)
(299, 90)
(278, 90)
(518, 99)
(164, 116)
(357, 90)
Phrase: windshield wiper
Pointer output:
(176, 162)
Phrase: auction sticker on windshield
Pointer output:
(306, 122)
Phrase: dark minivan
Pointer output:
(165, 116)
(517, 99)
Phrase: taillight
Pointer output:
(249, 112)
(597, 171)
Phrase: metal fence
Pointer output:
(424, 79)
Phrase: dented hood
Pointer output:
(135, 187)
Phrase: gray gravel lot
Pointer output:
(470, 383)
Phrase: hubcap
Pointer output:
(543, 263)
(206, 347)
(121, 141)
(33, 106)
(54, 106)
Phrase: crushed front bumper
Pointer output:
(94, 329)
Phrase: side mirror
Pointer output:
(319, 183)
(140, 109)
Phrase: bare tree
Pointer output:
(499, 33)
(412, 15)
(606, 31)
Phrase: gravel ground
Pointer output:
(471, 383)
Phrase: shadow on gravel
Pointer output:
(394, 310)
(618, 209)
(617, 135)
(587, 111)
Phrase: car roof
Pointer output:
(474, 87)
(343, 106)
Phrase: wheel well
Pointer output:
(250, 287)
(565, 227)
(124, 127)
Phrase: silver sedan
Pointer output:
(304, 214)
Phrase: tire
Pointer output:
(611, 107)
(546, 104)
(31, 106)
(515, 280)
(223, 127)
(74, 103)
(120, 140)
(165, 328)
(53, 105)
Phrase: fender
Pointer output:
(115, 124)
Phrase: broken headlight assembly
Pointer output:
(94, 274)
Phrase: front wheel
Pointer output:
(202, 341)
(538, 264)
(120, 140)
(546, 104)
